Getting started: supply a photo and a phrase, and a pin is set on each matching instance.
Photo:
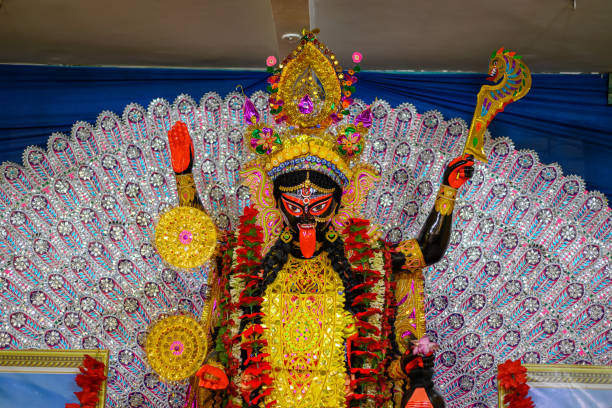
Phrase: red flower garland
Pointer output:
(257, 370)
(512, 377)
(90, 380)
(368, 347)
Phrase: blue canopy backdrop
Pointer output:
(564, 118)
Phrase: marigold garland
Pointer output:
(512, 377)
(90, 380)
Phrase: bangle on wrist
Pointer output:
(445, 200)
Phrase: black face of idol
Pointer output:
(308, 200)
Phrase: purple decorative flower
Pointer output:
(249, 112)
(365, 118)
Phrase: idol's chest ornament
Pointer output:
(306, 328)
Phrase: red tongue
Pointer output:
(308, 241)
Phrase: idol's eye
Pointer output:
(321, 207)
(292, 208)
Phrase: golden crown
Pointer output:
(309, 96)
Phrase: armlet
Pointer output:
(413, 256)
(186, 188)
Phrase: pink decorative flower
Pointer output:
(357, 57)
(177, 348)
(271, 61)
(185, 237)
(424, 347)
(263, 141)
(350, 143)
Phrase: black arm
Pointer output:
(435, 234)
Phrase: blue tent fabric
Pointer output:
(564, 118)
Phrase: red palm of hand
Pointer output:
(459, 171)
(181, 147)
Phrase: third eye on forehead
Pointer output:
(298, 198)
(306, 193)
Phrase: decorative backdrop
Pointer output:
(565, 118)
(527, 274)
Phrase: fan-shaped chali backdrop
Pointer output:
(526, 274)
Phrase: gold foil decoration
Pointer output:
(445, 200)
(306, 328)
(309, 73)
(176, 346)
(354, 196)
(185, 237)
(186, 188)
(410, 314)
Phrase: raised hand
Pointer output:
(181, 147)
(459, 171)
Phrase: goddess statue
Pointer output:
(308, 307)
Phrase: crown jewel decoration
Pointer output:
(310, 95)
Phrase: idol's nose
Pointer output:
(307, 218)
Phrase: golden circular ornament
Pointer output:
(185, 237)
(176, 347)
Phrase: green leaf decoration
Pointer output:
(259, 150)
(270, 70)
(349, 130)
(493, 54)
(351, 88)
(357, 68)
(269, 88)
(345, 112)
(475, 142)
(518, 57)
(278, 140)
(333, 106)
(255, 133)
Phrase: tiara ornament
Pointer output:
(309, 97)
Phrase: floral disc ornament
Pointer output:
(176, 347)
(185, 237)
